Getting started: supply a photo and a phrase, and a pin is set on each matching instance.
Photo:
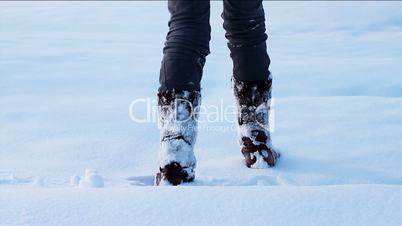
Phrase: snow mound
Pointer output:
(91, 180)
(74, 180)
(39, 182)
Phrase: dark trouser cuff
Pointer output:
(181, 72)
(250, 63)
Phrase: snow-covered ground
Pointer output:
(70, 70)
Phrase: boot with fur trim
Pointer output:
(178, 114)
(253, 104)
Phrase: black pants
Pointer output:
(187, 42)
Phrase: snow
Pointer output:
(75, 180)
(70, 70)
(91, 180)
(277, 205)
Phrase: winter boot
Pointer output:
(253, 105)
(178, 115)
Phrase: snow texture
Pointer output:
(69, 71)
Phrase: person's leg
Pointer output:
(187, 45)
(244, 22)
